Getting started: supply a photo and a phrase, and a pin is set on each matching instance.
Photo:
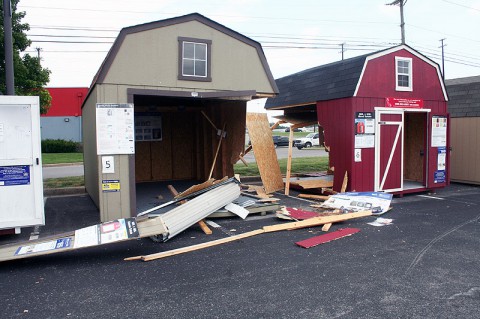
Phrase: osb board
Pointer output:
(265, 155)
(143, 169)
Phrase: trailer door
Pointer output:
(21, 184)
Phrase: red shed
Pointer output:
(384, 117)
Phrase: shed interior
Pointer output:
(186, 146)
(415, 152)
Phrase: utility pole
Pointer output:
(401, 3)
(38, 53)
(443, 58)
(8, 43)
(343, 50)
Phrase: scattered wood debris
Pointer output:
(316, 221)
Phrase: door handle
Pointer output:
(421, 153)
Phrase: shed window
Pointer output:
(194, 59)
(403, 74)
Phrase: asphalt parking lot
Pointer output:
(423, 265)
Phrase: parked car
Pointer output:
(307, 141)
(295, 129)
(280, 141)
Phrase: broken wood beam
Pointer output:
(196, 247)
(216, 153)
(316, 221)
(266, 229)
(316, 197)
(326, 227)
(344, 184)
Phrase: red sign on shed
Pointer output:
(404, 103)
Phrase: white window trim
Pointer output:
(180, 75)
(410, 74)
(195, 59)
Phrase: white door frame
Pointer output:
(378, 184)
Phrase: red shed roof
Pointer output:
(66, 101)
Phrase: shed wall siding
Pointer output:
(465, 155)
(379, 79)
(90, 157)
(338, 131)
(235, 65)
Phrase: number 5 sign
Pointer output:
(108, 165)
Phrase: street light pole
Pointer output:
(8, 43)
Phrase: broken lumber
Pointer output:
(195, 247)
(266, 229)
(316, 197)
(326, 227)
(312, 183)
(322, 239)
(316, 221)
(344, 184)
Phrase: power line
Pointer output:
(461, 5)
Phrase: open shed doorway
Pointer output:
(177, 140)
(415, 152)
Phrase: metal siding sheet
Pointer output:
(184, 216)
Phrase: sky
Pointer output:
(74, 36)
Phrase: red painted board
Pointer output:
(301, 214)
(317, 240)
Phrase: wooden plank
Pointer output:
(289, 162)
(316, 221)
(265, 155)
(344, 184)
(326, 227)
(216, 153)
(196, 247)
(266, 229)
(316, 197)
(313, 183)
(322, 239)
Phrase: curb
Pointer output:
(62, 164)
(64, 191)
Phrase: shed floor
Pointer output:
(152, 194)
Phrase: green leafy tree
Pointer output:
(30, 76)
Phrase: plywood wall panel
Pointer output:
(265, 155)
(162, 152)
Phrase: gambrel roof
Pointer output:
(464, 96)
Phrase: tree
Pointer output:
(30, 76)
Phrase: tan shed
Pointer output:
(464, 109)
(185, 79)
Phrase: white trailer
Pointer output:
(21, 184)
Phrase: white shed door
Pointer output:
(21, 185)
